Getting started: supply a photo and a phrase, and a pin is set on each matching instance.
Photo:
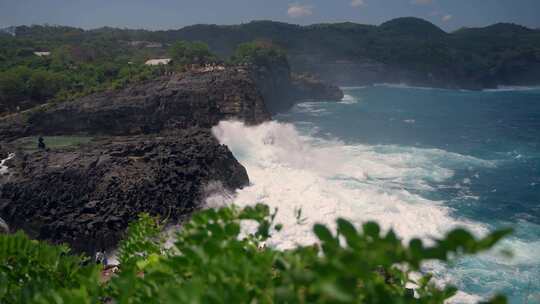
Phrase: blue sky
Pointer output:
(168, 14)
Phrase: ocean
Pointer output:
(420, 161)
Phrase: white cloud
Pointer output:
(421, 2)
(297, 10)
(447, 18)
(357, 3)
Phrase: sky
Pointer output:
(173, 14)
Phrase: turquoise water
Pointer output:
(420, 161)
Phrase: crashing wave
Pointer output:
(3, 167)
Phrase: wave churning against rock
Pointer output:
(3, 167)
(331, 179)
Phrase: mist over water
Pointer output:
(418, 161)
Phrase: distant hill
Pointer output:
(408, 50)
(498, 29)
(410, 26)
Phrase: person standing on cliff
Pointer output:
(41, 143)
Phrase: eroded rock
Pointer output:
(86, 197)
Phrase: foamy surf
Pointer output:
(349, 99)
(513, 89)
(329, 179)
(3, 167)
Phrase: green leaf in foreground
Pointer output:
(214, 261)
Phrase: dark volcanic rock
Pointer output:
(178, 101)
(308, 87)
(281, 89)
(87, 197)
(196, 98)
(274, 82)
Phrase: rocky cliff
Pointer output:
(197, 98)
(309, 87)
(150, 149)
(282, 89)
(86, 196)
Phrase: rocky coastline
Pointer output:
(147, 148)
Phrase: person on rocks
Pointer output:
(41, 143)
(100, 258)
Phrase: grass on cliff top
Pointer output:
(54, 142)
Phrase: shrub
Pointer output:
(259, 53)
(184, 52)
(213, 261)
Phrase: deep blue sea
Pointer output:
(420, 161)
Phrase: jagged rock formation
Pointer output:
(274, 82)
(196, 98)
(86, 197)
(178, 101)
(308, 87)
(282, 89)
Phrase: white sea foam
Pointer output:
(3, 167)
(312, 108)
(349, 99)
(348, 88)
(406, 86)
(513, 89)
(330, 179)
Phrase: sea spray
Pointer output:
(330, 179)
(4, 228)
(471, 158)
(349, 99)
(3, 168)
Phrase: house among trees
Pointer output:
(42, 54)
(163, 61)
(146, 44)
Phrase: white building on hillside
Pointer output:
(163, 61)
(42, 54)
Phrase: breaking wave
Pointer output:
(3, 167)
(330, 179)
(349, 99)
(327, 179)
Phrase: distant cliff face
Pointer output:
(282, 89)
(516, 71)
(183, 100)
(274, 82)
(403, 50)
(309, 87)
(197, 98)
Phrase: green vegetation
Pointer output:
(183, 53)
(259, 53)
(78, 65)
(82, 62)
(31, 80)
(211, 261)
(53, 142)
